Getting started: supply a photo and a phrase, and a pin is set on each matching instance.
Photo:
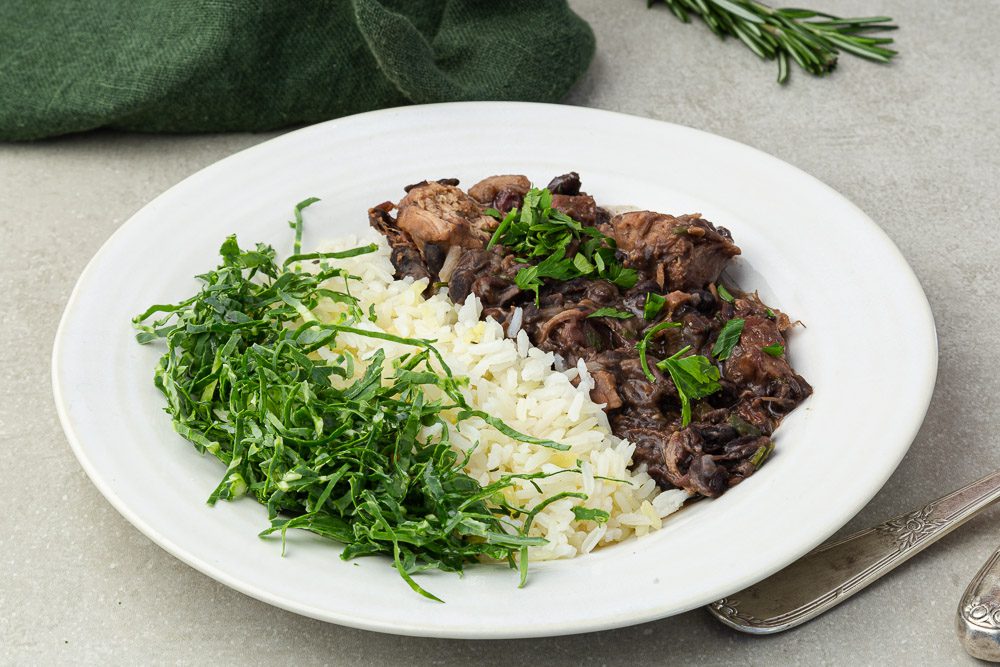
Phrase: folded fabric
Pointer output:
(223, 65)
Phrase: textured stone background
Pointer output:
(915, 145)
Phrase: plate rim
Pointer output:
(429, 629)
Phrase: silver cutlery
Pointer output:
(836, 570)
(978, 621)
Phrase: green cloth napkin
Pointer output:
(220, 65)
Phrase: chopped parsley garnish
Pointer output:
(644, 343)
(724, 293)
(611, 312)
(770, 314)
(364, 460)
(728, 338)
(695, 377)
(653, 306)
(775, 350)
(536, 230)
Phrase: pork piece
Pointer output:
(581, 208)
(750, 365)
(678, 253)
(443, 215)
(501, 192)
(750, 305)
(406, 259)
(770, 387)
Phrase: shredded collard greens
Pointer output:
(343, 457)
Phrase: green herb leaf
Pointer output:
(554, 266)
(654, 304)
(775, 350)
(582, 264)
(728, 338)
(724, 293)
(611, 312)
(695, 377)
(644, 343)
(589, 514)
(620, 276)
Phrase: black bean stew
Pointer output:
(443, 233)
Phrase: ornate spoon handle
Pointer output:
(834, 571)
(978, 622)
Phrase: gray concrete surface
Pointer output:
(916, 145)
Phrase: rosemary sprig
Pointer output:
(812, 39)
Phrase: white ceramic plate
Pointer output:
(869, 350)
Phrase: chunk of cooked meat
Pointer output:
(434, 213)
(405, 257)
(679, 253)
(581, 207)
(441, 233)
(486, 190)
(748, 363)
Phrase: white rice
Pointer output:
(515, 382)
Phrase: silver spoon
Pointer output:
(834, 571)
(978, 622)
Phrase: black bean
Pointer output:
(567, 184)
(718, 433)
(705, 302)
(507, 199)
